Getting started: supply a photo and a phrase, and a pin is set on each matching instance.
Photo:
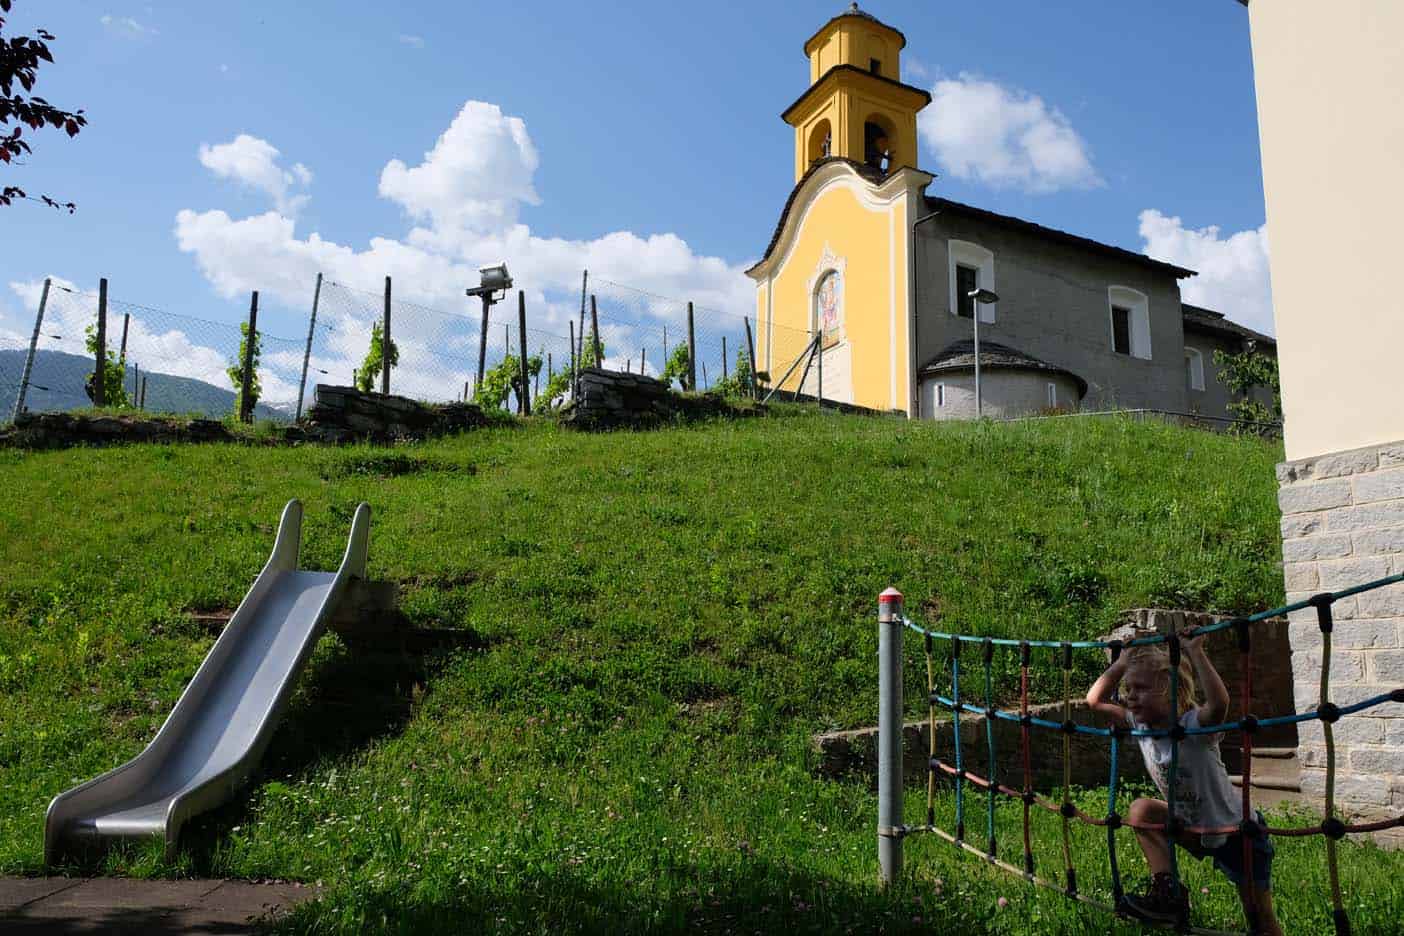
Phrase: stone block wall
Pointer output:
(1343, 525)
(614, 400)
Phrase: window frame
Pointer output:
(1194, 373)
(1137, 305)
(970, 254)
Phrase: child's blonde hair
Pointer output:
(1155, 659)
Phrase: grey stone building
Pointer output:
(1079, 325)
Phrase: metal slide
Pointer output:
(225, 718)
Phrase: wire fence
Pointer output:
(167, 362)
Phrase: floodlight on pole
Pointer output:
(978, 298)
(493, 283)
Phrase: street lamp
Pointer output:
(491, 280)
(980, 297)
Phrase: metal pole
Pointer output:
(889, 822)
(806, 355)
(29, 358)
(819, 341)
(523, 398)
(307, 354)
(246, 383)
(751, 355)
(691, 351)
(482, 343)
(100, 373)
(724, 371)
(976, 306)
(385, 344)
(595, 336)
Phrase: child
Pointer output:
(1203, 794)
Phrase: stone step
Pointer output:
(1273, 769)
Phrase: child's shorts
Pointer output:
(1228, 857)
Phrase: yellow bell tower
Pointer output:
(855, 106)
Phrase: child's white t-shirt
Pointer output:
(1203, 794)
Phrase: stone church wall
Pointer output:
(1053, 305)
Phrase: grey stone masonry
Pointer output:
(1343, 525)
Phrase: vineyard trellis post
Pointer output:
(595, 333)
(573, 387)
(307, 354)
(99, 373)
(724, 371)
(246, 379)
(691, 351)
(579, 353)
(385, 345)
(482, 343)
(122, 354)
(889, 820)
(524, 397)
(29, 358)
(141, 399)
(751, 355)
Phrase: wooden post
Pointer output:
(724, 371)
(122, 354)
(482, 343)
(524, 402)
(704, 375)
(691, 351)
(136, 380)
(665, 345)
(580, 350)
(751, 355)
(246, 383)
(573, 388)
(385, 344)
(550, 368)
(141, 401)
(467, 384)
(307, 353)
(643, 361)
(33, 349)
(100, 373)
(595, 334)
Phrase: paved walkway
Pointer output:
(127, 906)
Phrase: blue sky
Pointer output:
(641, 138)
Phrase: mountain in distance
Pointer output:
(57, 380)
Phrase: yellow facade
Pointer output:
(840, 267)
(844, 225)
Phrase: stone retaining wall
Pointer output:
(346, 414)
(65, 430)
(613, 400)
(1343, 525)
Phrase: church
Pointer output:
(863, 294)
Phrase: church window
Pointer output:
(876, 146)
(820, 141)
(1121, 330)
(972, 257)
(875, 66)
(1129, 310)
(1194, 369)
(967, 281)
(828, 307)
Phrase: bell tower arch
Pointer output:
(856, 107)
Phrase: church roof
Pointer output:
(861, 14)
(1029, 227)
(1210, 321)
(922, 95)
(960, 356)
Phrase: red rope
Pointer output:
(1245, 707)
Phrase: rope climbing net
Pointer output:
(891, 830)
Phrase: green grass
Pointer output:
(657, 624)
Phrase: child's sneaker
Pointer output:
(1161, 903)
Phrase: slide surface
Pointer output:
(224, 719)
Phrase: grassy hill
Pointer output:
(58, 379)
(658, 623)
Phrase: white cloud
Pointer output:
(980, 130)
(1233, 270)
(126, 27)
(414, 42)
(254, 163)
(466, 194)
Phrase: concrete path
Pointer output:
(127, 906)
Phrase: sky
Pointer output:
(233, 147)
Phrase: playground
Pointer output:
(653, 627)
